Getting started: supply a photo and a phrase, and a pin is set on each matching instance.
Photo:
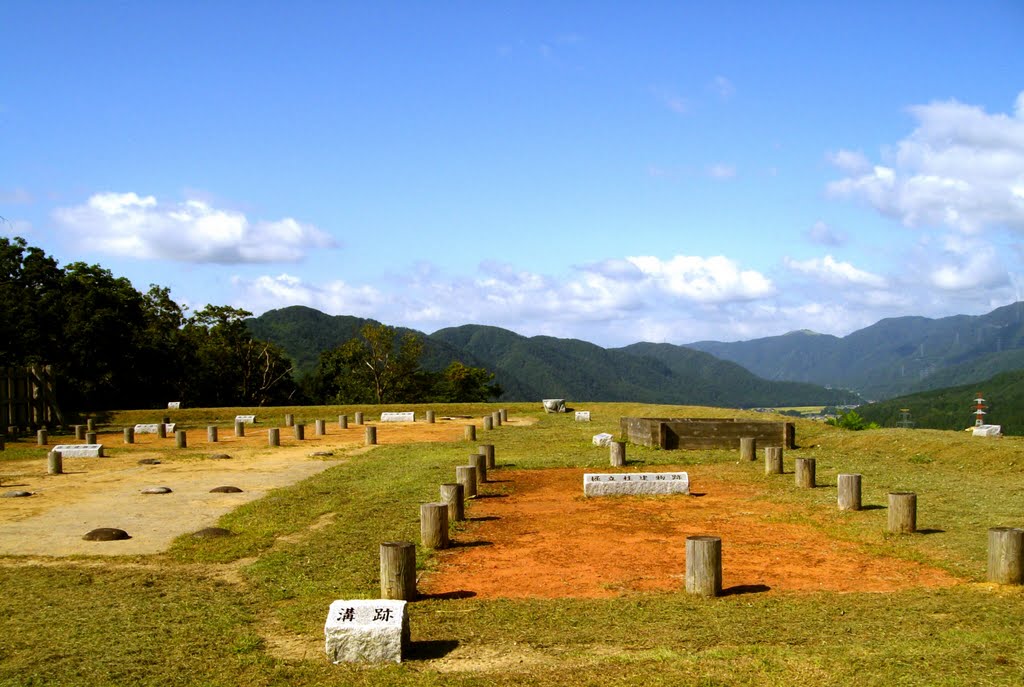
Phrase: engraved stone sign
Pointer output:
(603, 439)
(611, 484)
(366, 631)
(398, 417)
(582, 416)
(80, 450)
(173, 405)
(247, 419)
(154, 427)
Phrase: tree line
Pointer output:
(112, 346)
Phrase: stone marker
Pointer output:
(613, 484)
(554, 405)
(174, 405)
(430, 417)
(226, 490)
(603, 439)
(129, 435)
(54, 463)
(42, 437)
(80, 450)
(987, 431)
(488, 451)
(371, 435)
(398, 417)
(343, 422)
(156, 490)
(617, 453)
(106, 534)
(211, 434)
(488, 423)
(247, 419)
(367, 631)
(582, 416)
(151, 428)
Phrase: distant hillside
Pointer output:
(547, 367)
(893, 356)
(953, 408)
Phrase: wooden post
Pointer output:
(466, 476)
(180, 439)
(300, 430)
(239, 428)
(849, 492)
(359, 418)
(454, 495)
(211, 434)
(161, 430)
(789, 436)
(488, 451)
(430, 417)
(617, 453)
(398, 570)
(496, 418)
(80, 432)
(470, 433)
(479, 461)
(90, 425)
(902, 512)
(41, 437)
(371, 435)
(54, 463)
(1006, 555)
(488, 422)
(748, 448)
(773, 460)
(805, 468)
(321, 427)
(343, 421)
(90, 437)
(434, 525)
(704, 565)
(274, 437)
(503, 413)
(129, 435)
(289, 419)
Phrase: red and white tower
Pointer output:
(979, 410)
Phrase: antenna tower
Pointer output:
(979, 410)
(905, 422)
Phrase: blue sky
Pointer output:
(608, 171)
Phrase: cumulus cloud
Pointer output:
(832, 271)
(820, 232)
(961, 168)
(190, 231)
(266, 292)
(964, 265)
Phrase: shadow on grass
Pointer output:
(873, 506)
(745, 589)
(497, 481)
(484, 518)
(431, 649)
(447, 596)
(931, 531)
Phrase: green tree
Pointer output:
(375, 367)
(460, 383)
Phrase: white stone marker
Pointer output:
(582, 416)
(154, 427)
(603, 439)
(987, 430)
(398, 417)
(247, 419)
(80, 450)
(554, 405)
(366, 631)
(174, 405)
(612, 484)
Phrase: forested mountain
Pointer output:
(953, 408)
(893, 356)
(547, 367)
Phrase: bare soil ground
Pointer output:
(106, 492)
(534, 535)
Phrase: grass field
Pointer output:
(250, 609)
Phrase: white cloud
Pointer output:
(706, 280)
(820, 232)
(832, 271)
(961, 168)
(723, 87)
(191, 231)
(721, 170)
(967, 264)
(268, 292)
(850, 161)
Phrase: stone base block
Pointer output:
(366, 631)
(616, 484)
(80, 450)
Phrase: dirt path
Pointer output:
(535, 535)
(106, 492)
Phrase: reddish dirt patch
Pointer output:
(534, 534)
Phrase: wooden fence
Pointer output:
(28, 398)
